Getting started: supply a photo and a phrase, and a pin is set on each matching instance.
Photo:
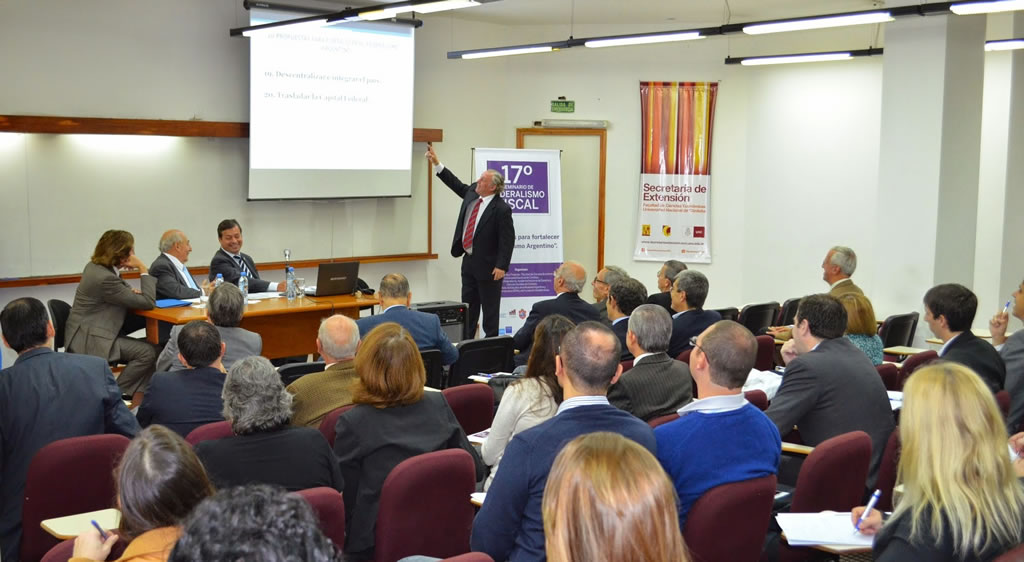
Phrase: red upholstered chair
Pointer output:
(765, 353)
(66, 477)
(887, 470)
(209, 432)
(425, 508)
(1015, 555)
(63, 551)
(626, 365)
(473, 405)
(890, 375)
(655, 422)
(330, 421)
(745, 508)
(757, 398)
(913, 362)
(330, 510)
(684, 356)
(470, 557)
(1003, 400)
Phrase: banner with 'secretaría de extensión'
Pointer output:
(675, 171)
(533, 188)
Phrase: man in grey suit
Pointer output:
(224, 309)
(830, 386)
(602, 283)
(1011, 349)
(657, 384)
(173, 280)
(425, 329)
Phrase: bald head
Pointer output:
(570, 277)
(175, 243)
(337, 339)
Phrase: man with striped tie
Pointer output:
(484, 237)
(230, 262)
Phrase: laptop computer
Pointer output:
(335, 279)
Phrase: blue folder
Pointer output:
(171, 303)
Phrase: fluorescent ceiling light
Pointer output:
(818, 23)
(986, 7)
(788, 59)
(506, 52)
(643, 39)
(427, 8)
(1004, 45)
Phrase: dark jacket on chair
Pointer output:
(687, 325)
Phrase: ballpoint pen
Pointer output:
(867, 510)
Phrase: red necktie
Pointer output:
(467, 238)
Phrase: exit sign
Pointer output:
(563, 106)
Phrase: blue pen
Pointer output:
(1006, 309)
(103, 535)
(867, 510)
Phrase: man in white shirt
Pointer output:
(173, 280)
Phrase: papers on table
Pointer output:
(895, 399)
(479, 437)
(484, 377)
(825, 528)
(263, 296)
(766, 381)
(477, 498)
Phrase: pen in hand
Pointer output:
(1006, 309)
(103, 535)
(867, 510)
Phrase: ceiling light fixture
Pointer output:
(1004, 45)
(367, 13)
(817, 22)
(969, 8)
(802, 57)
(642, 39)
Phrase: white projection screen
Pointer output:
(330, 110)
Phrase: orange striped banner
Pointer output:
(676, 120)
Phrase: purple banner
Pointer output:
(526, 185)
(529, 280)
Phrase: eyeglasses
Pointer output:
(693, 343)
(596, 281)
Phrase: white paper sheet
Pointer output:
(827, 527)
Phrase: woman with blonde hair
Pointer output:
(607, 499)
(961, 498)
(861, 326)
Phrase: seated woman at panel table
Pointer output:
(861, 327)
(961, 496)
(393, 420)
(265, 448)
(159, 481)
(532, 399)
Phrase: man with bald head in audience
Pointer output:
(623, 298)
(173, 280)
(602, 282)
(425, 329)
(316, 394)
(570, 278)
(666, 277)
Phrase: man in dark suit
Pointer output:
(830, 386)
(230, 262)
(623, 298)
(570, 278)
(424, 328)
(46, 396)
(666, 277)
(608, 276)
(949, 311)
(1011, 349)
(689, 319)
(224, 310)
(657, 384)
(485, 236)
(173, 280)
(186, 399)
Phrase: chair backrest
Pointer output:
(1003, 400)
(330, 510)
(890, 375)
(758, 398)
(898, 329)
(913, 362)
(788, 311)
(470, 557)
(66, 477)
(473, 405)
(757, 317)
(731, 313)
(765, 353)
(488, 355)
(209, 432)
(833, 475)
(684, 356)
(886, 480)
(434, 364)
(294, 371)
(626, 365)
(1014, 555)
(745, 508)
(65, 549)
(424, 507)
(655, 422)
(330, 421)
(59, 312)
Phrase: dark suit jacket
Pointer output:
(620, 330)
(685, 326)
(659, 385)
(169, 284)
(46, 396)
(569, 305)
(239, 343)
(1013, 357)
(662, 299)
(102, 300)
(183, 400)
(495, 236)
(424, 328)
(979, 355)
(831, 390)
(226, 265)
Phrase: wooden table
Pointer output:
(288, 328)
(902, 350)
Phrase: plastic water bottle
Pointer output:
(218, 281)
(243, 284)
(289, 282)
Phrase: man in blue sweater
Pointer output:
(509, 525)
(736, 441)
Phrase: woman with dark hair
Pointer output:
(393, 420)
(159, 481)
(532, 399)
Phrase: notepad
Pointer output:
(825, 528)
(477, 498)
(71, 526)
(479, 437)
(171, 303)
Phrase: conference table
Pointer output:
(288, 328)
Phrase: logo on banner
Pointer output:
(698, 232)
(666, 230)
(689, 232)
(522, 313)
(645, 230)
(526, 185)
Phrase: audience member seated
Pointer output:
(689, 318)
(224, 309)
(185, 400)
(159, 481)
(830, 387)
(1011, 349)
(949, 311)
(861, 326)
(173, 280)
(624, 296)
(961, 498)
(425, 329)
(99, 322)
(317, 394)
(735, 440)
(265, 449)
(256, 524)
(608, 499)
(46, 396)
(570, 278)
(531, 399)
(601, 284)
(666, 278)
(657, 384)
(509, 526)
(836, 269)
(393, 420)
